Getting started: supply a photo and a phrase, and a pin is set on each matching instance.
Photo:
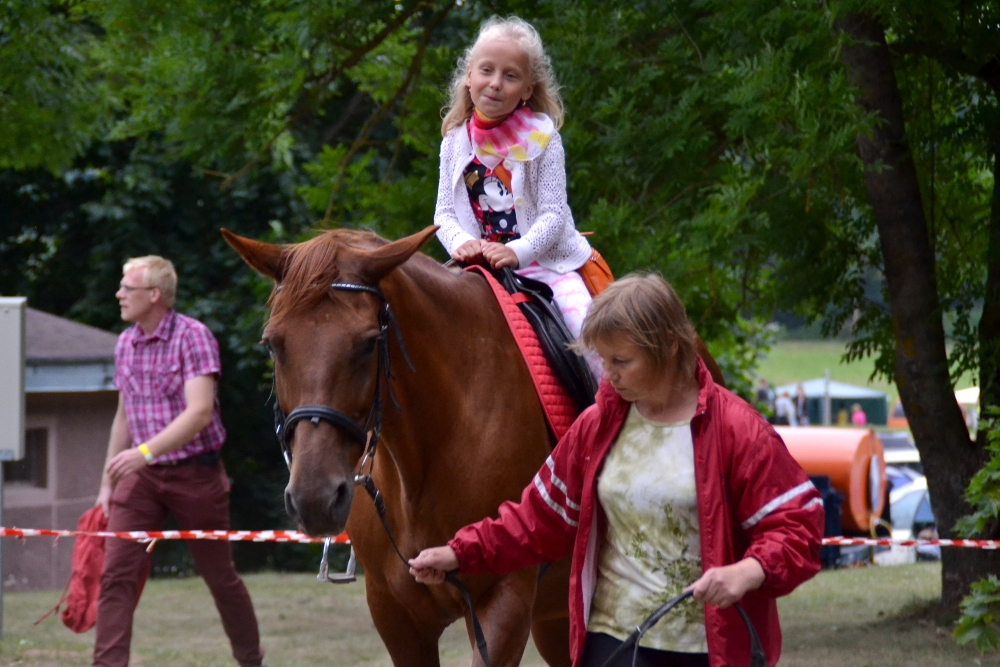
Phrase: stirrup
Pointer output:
(345, 577)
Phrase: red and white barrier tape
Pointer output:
(885, 542)
(151, 535)
(302, 538)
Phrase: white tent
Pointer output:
(816, 388)
(969, 396)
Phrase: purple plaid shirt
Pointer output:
(150, 372)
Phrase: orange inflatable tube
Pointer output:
(854, 461)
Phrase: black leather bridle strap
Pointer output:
(451, 577)
(318, 413)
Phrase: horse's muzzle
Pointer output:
(322, 511)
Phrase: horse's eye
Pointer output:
(267, 346)
(369, 345)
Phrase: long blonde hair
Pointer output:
(544, 99)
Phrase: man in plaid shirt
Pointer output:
(163, 458)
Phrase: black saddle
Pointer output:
(543, 314)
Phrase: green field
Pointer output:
(875, 616)
(793, 361)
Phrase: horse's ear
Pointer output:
(264, 258)
(379, 262)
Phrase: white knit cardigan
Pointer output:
(544, 220)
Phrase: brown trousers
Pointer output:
(198, 496)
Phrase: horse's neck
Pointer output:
(446, 320)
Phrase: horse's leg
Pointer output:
(407, 642)
(550, 617)
(504, 611)
(552, 640)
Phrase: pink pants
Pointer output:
(198, 496)
(573, 299)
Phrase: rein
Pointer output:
(368, 436)
(757, 658)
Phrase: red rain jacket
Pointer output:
(754, 500)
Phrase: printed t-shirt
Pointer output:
(651, 551)
(490, 192)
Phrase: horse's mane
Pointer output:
(311, 266)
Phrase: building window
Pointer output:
(33, 469)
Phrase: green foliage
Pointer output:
(980, 620)
(711, 141)
(983, 493)
(50, 106)
(981, 615)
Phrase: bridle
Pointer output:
(284, 424)
(368, 435)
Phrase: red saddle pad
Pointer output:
(559, 408)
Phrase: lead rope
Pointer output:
(451, 577)
(757, 657)
(365, 478)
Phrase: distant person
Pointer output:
(858, 416)
(801, 406)
(163, 459)
(843, 416)
(765, 396)
(784, 410)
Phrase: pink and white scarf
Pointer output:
(522, 136)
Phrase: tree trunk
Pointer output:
(989, 323)
(949, 456)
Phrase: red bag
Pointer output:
(84, 585)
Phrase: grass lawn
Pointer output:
(872, 616)
(791, 361)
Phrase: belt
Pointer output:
(208, 459)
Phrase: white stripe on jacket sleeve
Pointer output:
(778, 502)
(540, 485)
(559, 484)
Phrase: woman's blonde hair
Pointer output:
(545, 97)
(160, 273)
(645, 309)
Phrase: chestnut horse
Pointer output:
(462, 432)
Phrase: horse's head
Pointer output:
(324, 343)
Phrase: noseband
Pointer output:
(284, 425)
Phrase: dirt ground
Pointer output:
(877, 617)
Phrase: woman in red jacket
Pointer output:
(668, 483)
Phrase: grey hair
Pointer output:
(544, 99)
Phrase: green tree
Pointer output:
(929, 75)
(717, 142)
(50, 104)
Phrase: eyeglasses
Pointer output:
(132, 288)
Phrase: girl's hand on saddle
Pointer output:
(431, 565)
(469, 252)
(499, 255)
(722, 586)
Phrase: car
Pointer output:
(899, 450)
(912, 517)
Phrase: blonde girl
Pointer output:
(502, 188)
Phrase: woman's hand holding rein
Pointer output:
(722, 586)
(431, 565)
